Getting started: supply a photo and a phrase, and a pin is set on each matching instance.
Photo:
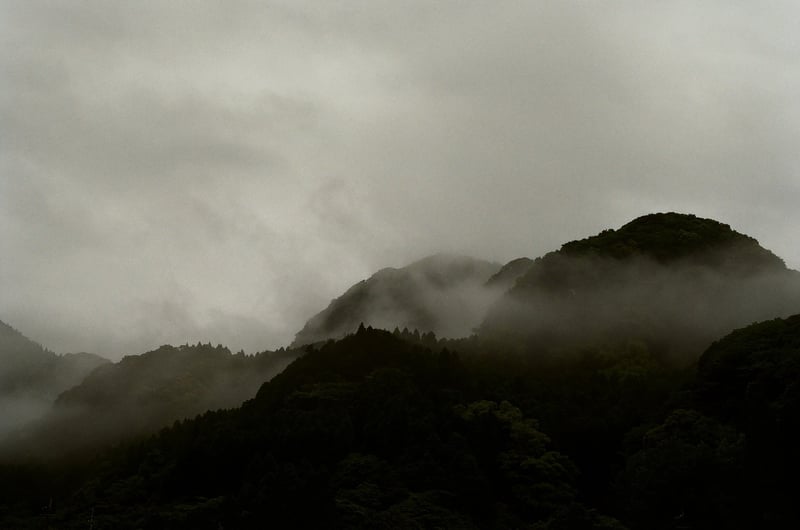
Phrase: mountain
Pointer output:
(728, 456)
(509, 273)
(31, 376)
(373, 432)
(567, 411)
(675, 281)
(143, 393)
(443, 294)
(19, 354)
(366, 432)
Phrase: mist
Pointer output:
(444, 294)
(175, 173)
(16, 411)
(677, 308)
(134, 398)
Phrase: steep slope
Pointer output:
(18, 355)
(143, 393)
(374, 432)
(367, 432)
(31, 377)
(673, 280)
(729, 457)
(509, 273)
(750, 379)
(442, 293)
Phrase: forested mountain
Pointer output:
(143, 393)
(729, 456)
(31, 377)
(674, 281)
(444, 294)
(567, 411)
(368, 432)
(373, 432)
(510, 273)
(27, 367)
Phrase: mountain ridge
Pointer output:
(141, 394)
(441, 293)
(32, 376)
(656, 274)
(581, 420)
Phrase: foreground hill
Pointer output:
(675, 281)
(374, 432)
(444, 294)
(367, 432)
(143, 393)
(31, 377)
(729, 457)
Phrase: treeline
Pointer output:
(591, 397)
(375, 432)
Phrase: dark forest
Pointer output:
(645, 378)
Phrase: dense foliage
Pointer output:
(28, 368)
(143, 393)
(675, 281)
(670, 237)
(31, 377)
(376, 432)
(589, 423)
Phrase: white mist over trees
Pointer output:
(444, 294)
(31, 377)
(674, 281)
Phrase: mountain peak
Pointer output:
(509, 273)
(671, 236)
(653, 276)
(443, 293)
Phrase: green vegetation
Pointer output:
(143, 393)
(28, 368)
(31, 377)
(676, 282)
(669, 237)
(586, 423)
(373, 431)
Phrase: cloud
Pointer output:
(181, 172)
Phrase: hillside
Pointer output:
(508, 274)
(366, 432)
(373, 432)
(31, 377)
(728, 456)
(442, 293)
(675, 281)
(568, 411)
(143, 393)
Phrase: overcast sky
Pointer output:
(218, 171)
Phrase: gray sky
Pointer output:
(218, 171)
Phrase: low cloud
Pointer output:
(180, 173)
(678, 308)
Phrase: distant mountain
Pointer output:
(673, 280)
(31, 376)
(143, 393)
(509, 273)
(20, 358)
(444, 294)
